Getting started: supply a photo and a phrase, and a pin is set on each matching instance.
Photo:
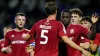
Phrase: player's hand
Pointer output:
(86, 53)
(7, 49)
(94, 18)
(29, 48)
(91, 41)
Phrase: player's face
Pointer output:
(20, 21)
(65, 18)
(86, 24)
(75, 18)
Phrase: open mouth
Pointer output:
(20, 24)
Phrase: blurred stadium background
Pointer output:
(34, 10)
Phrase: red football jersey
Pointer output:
(83, 40)
(74, 32)
(80, 40)
(97, 39)
(1, 46)
(17, 42)
(48, 33)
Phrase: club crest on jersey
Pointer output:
(23, 35)
(71, 31)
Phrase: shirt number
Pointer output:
(44, 36)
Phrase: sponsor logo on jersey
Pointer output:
(18, 42)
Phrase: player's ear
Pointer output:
(15, 20)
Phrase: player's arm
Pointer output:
(30, 50)
(31, 32)
(85, 45)
(92, 34)
(94, 44)
(72, 44)
(93, 47)
(27, 37)
(32, 53)
(62, 34)
(6, 48)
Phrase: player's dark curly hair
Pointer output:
(50, 8)
(87, 18)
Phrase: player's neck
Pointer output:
(74, 23)
(18, 30)
(52, 17)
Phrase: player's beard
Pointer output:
(20, 28)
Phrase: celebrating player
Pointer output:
(75, 30)
(65, 19)
(96, 42)
(48, 32)
(14, 38)
(87, 23)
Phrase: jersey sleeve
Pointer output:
(83, 31)
(0, 46)
(33, 30)
(97, 39)
(7, 41)
(86, 40)
(61, 31)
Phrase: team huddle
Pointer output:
(76, 31)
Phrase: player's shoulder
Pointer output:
(11, 31)
(79, 25)
(40, 21)
(59, 22)
(1, 40)
(97, 34)
(27, 30)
